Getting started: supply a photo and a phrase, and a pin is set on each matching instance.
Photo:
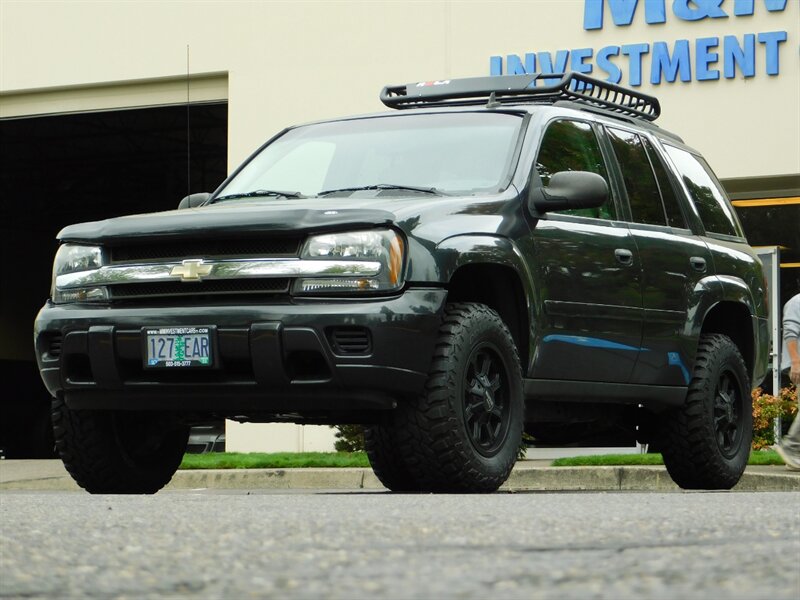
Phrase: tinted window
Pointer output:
(671, 204)
(573, 146)
(638, 176)
(468, 153)
(712, 206)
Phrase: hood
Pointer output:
(429, 217)
(239, 216)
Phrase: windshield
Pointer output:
(461, 153)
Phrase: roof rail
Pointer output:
(500, 89)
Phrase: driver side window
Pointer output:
(573, 146)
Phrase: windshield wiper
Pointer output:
(383, 186)
(260, 194)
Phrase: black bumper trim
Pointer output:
(269, 356)
(266, 354)
(102, 356)
(249, 399)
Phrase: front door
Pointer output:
(588, 270)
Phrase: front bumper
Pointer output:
(273, 358)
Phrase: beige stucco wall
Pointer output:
(286, 62)
(291, 62)
(278, 437)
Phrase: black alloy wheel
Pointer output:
(463, 433)
(487, 412)
(728, 407)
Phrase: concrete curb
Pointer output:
(634, 479)
(524, 478)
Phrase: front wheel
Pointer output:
(706, 443)
(463, 433)
(118, 452)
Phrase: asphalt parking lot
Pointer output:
(218, 543)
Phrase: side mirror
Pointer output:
(194, 200)
(569, 190)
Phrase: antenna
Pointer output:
(188, 132)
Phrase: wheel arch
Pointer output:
(735, 320)
(492, 271)
(725, 304)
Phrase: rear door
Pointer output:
(674, 260)
(588, 270)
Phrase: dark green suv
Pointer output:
(496, 254)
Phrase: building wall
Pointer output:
(290, 62)
(278, 437)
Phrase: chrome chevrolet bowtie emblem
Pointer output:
(191, 270)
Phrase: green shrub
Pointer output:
(527, 440)
(766, 408)
(349, 438)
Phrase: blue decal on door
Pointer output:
(675, 360)
(590, 342)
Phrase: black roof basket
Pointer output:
(533, 87)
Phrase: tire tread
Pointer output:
(425, 427)
(91, 455)
(688, 440)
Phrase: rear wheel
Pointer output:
(118, 452)
(706, 443)
(462, 434)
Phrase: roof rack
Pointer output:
(503, 89)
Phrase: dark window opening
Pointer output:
(672, 206)
(640, 183)
(706, 193)
(573, 146)
(63, 169)
(777, 226)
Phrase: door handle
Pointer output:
(624, 256)
(698, 263)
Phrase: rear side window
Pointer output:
(640, 182)
(573, 146)
(671, 204)
(706, 192)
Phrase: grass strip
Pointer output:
(757, 457)
(278, 460)
(303, 460)
(609, 460)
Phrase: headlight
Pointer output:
(73, 258)
(384, 247)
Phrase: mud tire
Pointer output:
(118, 452)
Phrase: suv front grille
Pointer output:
(167, 289)
(276, 247)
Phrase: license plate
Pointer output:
(178, 347)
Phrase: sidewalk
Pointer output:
(528, 476)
